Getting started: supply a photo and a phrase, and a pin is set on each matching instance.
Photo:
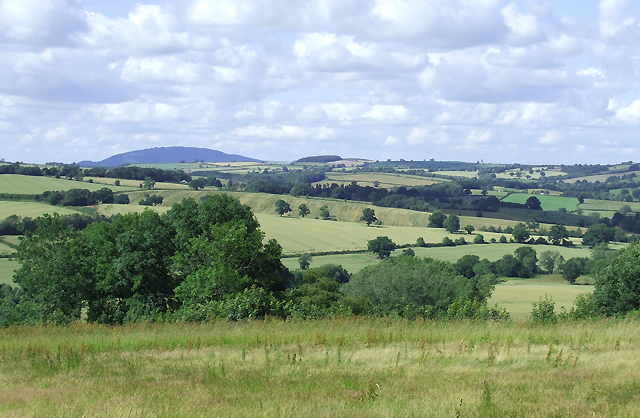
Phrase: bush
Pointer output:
(543, 312)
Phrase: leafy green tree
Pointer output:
(469, 229)
(368, 216)
(452, 224)
(478, 239)
(121, 199)
(412, 286)
(520, 233)
(50, 269)
(381, 246)
(420, 242)
(436, 219)
(617, 287)
(557, 234)
(324, 212)
(549, 260)
(533, 203)
(503, 239)
(303, 210)
(199, 183)
(104, 195)
(282, 207)
(528, 260)
(465, 265)
(149, 183)
(408, 252)
(305, 261)
(508, 266)
(574, 268)
(598, 234)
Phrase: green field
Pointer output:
(548, 203)
(607, 206)
(355, 367)
(7, 267)
(518, 296)
(31, 209)
(18, 184)
(128, 185)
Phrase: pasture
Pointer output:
(548, 203)
(31, 209)
(601, 177)
(607, 207)
(517, 296)
(19, 184)
(354, 367)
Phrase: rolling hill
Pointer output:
(167, 155)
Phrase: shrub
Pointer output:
(543, 312)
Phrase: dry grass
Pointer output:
(344, 367)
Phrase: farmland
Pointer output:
(342, 367)
(7, 267)
(31, 209)
(383, 180)
(18, 184)
(548, 203)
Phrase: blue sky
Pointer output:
(523, 81)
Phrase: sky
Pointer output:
(526, 81)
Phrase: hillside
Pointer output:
(166, 155)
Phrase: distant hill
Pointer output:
(319, 159)
(167, 155)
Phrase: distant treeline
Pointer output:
(320, 159)
(72, 171)
(17, 225)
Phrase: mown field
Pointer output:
(548, 203)
(18, 184)
(343, 367)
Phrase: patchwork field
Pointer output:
(18, 184)
(548, 203)
(128, 185)
(607, 206)
(601, 177)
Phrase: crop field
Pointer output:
(548, 203)
(31, 209)
(385, 180)
(342, 367)
(297, 235)
(18, 184)
(7, 267)
(518, 296)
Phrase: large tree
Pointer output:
(282, 207)
(452, 224)
(368, 216)
(381, 246)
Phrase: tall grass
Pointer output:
(340, 367)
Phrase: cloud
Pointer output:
(40, 22)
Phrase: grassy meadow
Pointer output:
(19, 184)
(32, 209)
(353, 367)
(548, 203)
